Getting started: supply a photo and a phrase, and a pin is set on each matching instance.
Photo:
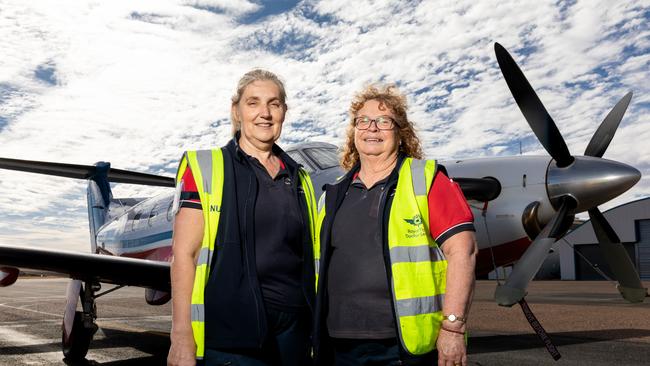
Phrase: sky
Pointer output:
(137, 82)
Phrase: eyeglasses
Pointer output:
(382, 122)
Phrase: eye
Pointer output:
(384, 121)
(275, 104)
(252, 103)
(362, 121)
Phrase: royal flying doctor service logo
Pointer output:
(415, 221)
(418, 230)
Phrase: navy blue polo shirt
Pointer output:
(278, 235)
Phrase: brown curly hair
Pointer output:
(389, 96)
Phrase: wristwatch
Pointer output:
(454, 318)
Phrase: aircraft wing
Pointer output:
(90, 267)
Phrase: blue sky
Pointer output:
(137, 82)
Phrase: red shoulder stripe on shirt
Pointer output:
(449, 212)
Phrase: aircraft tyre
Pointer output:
(75, 345)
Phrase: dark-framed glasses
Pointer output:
(382, 122)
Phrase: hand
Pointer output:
(451, 349)
(183, 349)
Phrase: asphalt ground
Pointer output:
(588, 322)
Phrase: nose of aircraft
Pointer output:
(591, 181)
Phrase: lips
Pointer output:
(373, 140)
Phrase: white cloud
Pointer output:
(137, 82)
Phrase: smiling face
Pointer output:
(260, 111)
(373, 141)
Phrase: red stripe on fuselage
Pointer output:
(504, 254)
(162, 254)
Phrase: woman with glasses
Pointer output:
(396, 248)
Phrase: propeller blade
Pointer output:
(605, 132)
(629, 283)
(532, 108)
(514, 289)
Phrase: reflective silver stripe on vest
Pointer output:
(198, 313)
(204, 256)
(420, 305)
(204, 158)
(417, 175)
(317, 266)
(422, 253)
(321, 203)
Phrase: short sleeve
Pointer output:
(189, 194)
(449, 212)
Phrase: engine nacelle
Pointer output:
(155, 297)
(8, 275)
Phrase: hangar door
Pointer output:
(643, 246)
(584, 270)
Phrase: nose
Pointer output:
(265, 111)
(373, 125)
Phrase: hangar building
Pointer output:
(579, 248)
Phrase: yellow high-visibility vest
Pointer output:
(207, 168)
(417, 265)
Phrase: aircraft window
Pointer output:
(170, 214)
(136, 218)
(152, 215)
(295, 155)
(324, 157)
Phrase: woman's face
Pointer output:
(260, 112)
(374, 141)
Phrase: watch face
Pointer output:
(451, 317)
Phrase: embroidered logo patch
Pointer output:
(415, 221)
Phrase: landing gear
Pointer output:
(75, 345)
(79, 326)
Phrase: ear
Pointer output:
(235, 112)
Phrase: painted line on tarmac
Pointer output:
(36, 298)
(128, 318)
(14, 337)
(128, 328)
(30, 310)
(16, 323)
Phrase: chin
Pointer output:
(266, 138)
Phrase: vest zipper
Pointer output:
(248, 265)
(384, 244)
(304, 234)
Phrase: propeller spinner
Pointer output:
(574, 184)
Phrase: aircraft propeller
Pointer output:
(574, 184)
(605, 132)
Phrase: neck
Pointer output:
(259, 150)
(376, 167)
(263, 152)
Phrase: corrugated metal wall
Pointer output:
(643, 248)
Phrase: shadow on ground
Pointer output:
(502, 343)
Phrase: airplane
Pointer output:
(521, 205)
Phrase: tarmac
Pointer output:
(588, 322)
